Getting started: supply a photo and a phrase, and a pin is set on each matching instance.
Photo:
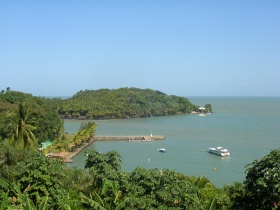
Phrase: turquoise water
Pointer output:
(248, 127)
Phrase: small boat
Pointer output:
(219, 151)
(201, 115)
(201, 112)
(161, 150)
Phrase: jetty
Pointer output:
(128, 138)
(67, 156)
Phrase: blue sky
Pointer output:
(185, 48)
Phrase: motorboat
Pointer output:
(219, 151)
(161, 150)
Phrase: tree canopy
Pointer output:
(18, 109)
(262, 182)
(122, 103)
(23, 124)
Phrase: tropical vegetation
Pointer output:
(31, 180)
(123, 103)
(25, 117)
(37, 181)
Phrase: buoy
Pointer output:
(214, 169)
(149, 160)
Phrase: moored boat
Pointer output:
(219, 151)
(161, 150)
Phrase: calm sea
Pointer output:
(249, 127)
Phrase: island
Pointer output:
(122, 103)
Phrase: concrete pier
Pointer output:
(128, 138)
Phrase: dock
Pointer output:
(129, 138)
(67, 156)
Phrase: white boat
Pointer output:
(219, 151)
(201, 115)
(161, 150)
(201, 112)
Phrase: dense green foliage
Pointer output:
(84, 134)
(149, 189)
(31, 181)
(263, 182)
(105, 166)
(35, 111)
(40, 169)
(208, 108)
(261, 188)
(122, 103)
(23, 123)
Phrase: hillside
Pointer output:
(48, 123)
(122, 103)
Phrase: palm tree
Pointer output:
(23, 125)
(202, 182)
(199, 184)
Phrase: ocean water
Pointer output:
(249, 127)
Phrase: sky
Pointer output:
(179, 47)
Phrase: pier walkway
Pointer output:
(128, 138)
(67, 156)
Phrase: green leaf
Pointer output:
(213, 203)
(28, 204)
(44, 203)
(90, 202)
(4, 184)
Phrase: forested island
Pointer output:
(123, 103)
(31, 179)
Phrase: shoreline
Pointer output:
(67, 156)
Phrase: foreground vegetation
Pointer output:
(30, 180)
